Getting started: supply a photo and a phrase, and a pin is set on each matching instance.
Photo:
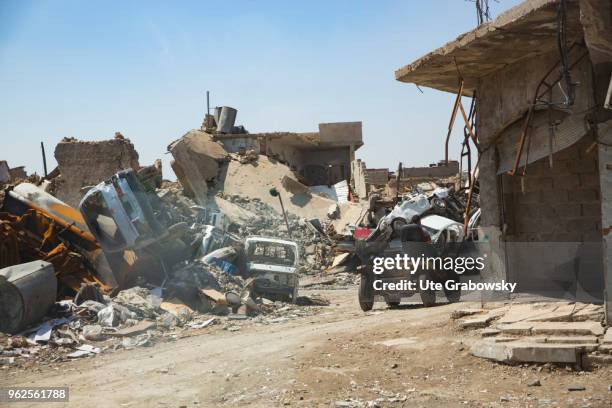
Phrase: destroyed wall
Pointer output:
(312, 163)
(197, 157)
(5, 173)
(378, 177)
(325, 166)
(451, 169)
(83, 164)
(341, 133)
(239, 143)
(358, 178)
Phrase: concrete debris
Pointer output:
(196, 161)
(545, 332)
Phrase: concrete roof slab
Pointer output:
(527, 30)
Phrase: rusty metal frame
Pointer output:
(451, 122)
(525, 134)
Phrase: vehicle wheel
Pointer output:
(366, 299)
(453, 296)
(428, 296)
(393, 305)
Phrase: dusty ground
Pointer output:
(406, 357)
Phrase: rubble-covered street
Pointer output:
(337, 356)
(448, 244)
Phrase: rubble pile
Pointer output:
(317, 251)
(135, 317)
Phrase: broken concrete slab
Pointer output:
(476, 321)
(568, 328)
(527, 311)
(566, 339)
(518, 328)
(489, 332)
(562, 312)
(196, 161)
(520, 351)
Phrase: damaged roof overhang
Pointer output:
(525, 31)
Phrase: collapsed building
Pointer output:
(102, 245)
(368, 180)
(319, 158)
(542, 128)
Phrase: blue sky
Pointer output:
(86, 69)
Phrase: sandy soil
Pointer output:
(412, 356)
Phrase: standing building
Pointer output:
(540, 74)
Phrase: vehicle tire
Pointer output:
(393, 305)
(366, 298)
(453, 296)
(428, 296)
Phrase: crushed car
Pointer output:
(274, 265)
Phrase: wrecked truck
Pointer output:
(413, 240)
(274, 266)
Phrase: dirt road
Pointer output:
(410, 356)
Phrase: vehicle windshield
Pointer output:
(271, 253)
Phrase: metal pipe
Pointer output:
(44, 157)
(452, 120)
(274, 193)
(398, 179)
(285, 216)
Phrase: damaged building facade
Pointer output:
(539, 74)
(319, 158)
